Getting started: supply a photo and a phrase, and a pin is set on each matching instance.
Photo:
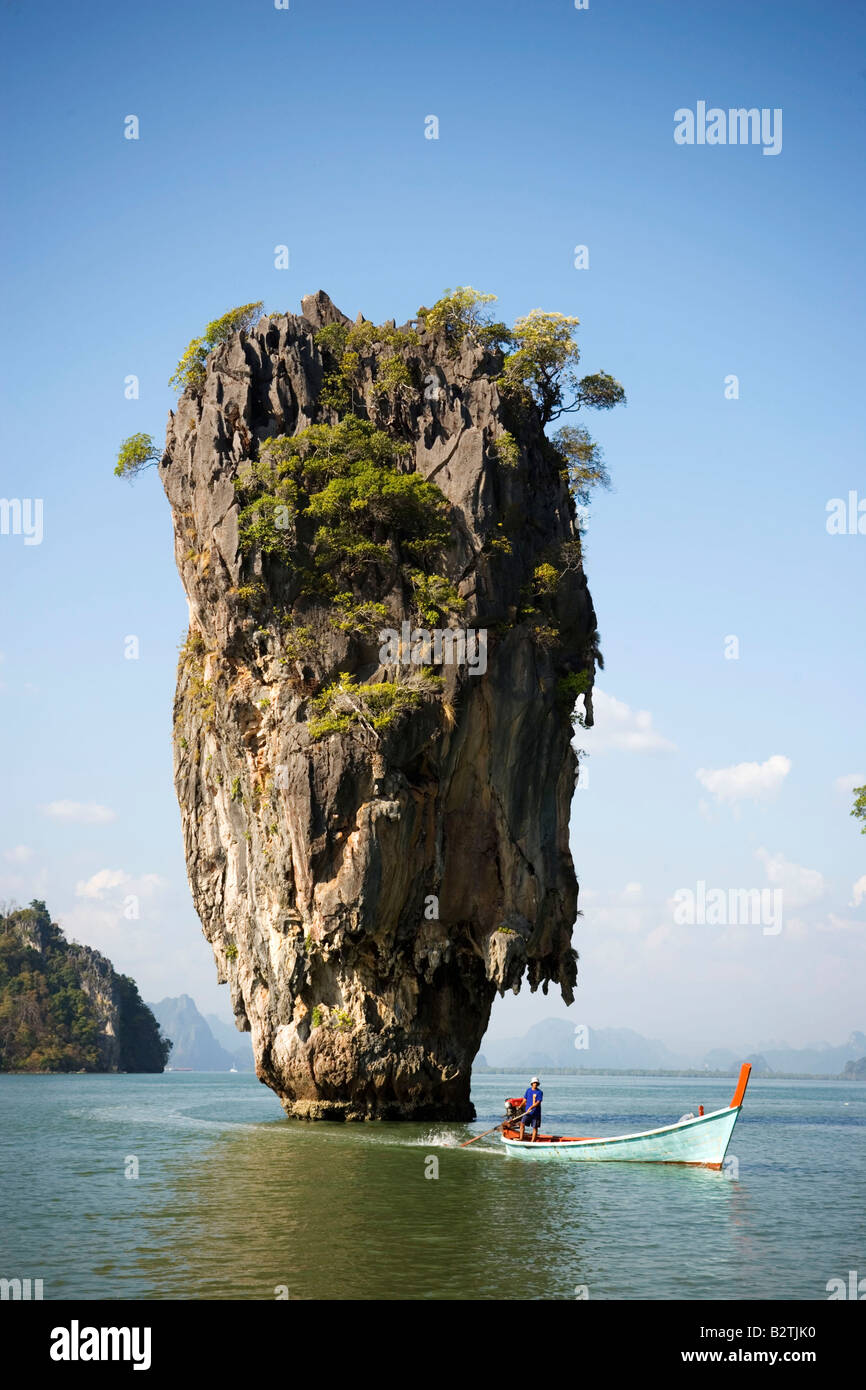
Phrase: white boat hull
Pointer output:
(702, 1141)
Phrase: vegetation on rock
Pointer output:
(135, 453)
(333, 505)
(373, 706)
(190, 370)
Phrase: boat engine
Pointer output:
(515, 1105)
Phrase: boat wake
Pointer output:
(437, 1139)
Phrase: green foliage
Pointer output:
(333, 503)
(135, 454)
(343, 346)
(231, 951)
(859, 808)
(434, 598)
(235, 792)
(48, 1022)
(506, 450)
(190, 370)
(569, 688)
(374, 706)
(569, 555)
(342, 1019)
(359, 616)
(189, 373)
(298, 639)
(332, 339)
(582, 462)
(542, 368)
(141, 1046)
(317, 1017)
(545, 579)
(193, 646)
(498, 544)
(203, 697)
(361, 513)
(459, 312)
(252, 594)
(393, 376)
(601, 391)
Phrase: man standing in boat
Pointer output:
(532, 1110)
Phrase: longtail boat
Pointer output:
(701, 1140)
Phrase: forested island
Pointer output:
(63, 1006)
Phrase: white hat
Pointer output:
(535, 1078)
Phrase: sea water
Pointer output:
(195, 1185)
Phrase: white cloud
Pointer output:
(745, 781)
(100, 883)
(81, 812)
(617, 725)
(851, 780)
(19, 855)
(99, 886)
(659, 936)
(859, 891)
(835, 923)
(799, 886)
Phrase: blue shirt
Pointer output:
(531, 1097)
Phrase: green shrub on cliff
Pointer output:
(434, 598)
(135, 453)
(581, 460)
(569, 688)
(343, 346)
(458, 312)
(359, 615)
(335, 504)
(542, 368)
(373, 706)
(506, 450)
(190, 370)
(859, 808)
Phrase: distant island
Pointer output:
(64, 1008)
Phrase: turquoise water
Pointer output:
(234, 1201)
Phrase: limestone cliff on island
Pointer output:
(377, 836)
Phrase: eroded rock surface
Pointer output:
(316, 866)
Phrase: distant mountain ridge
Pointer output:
(199, 1043)
(556, 1043)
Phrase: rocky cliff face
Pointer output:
(367, 892)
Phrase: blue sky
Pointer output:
(305, 127)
